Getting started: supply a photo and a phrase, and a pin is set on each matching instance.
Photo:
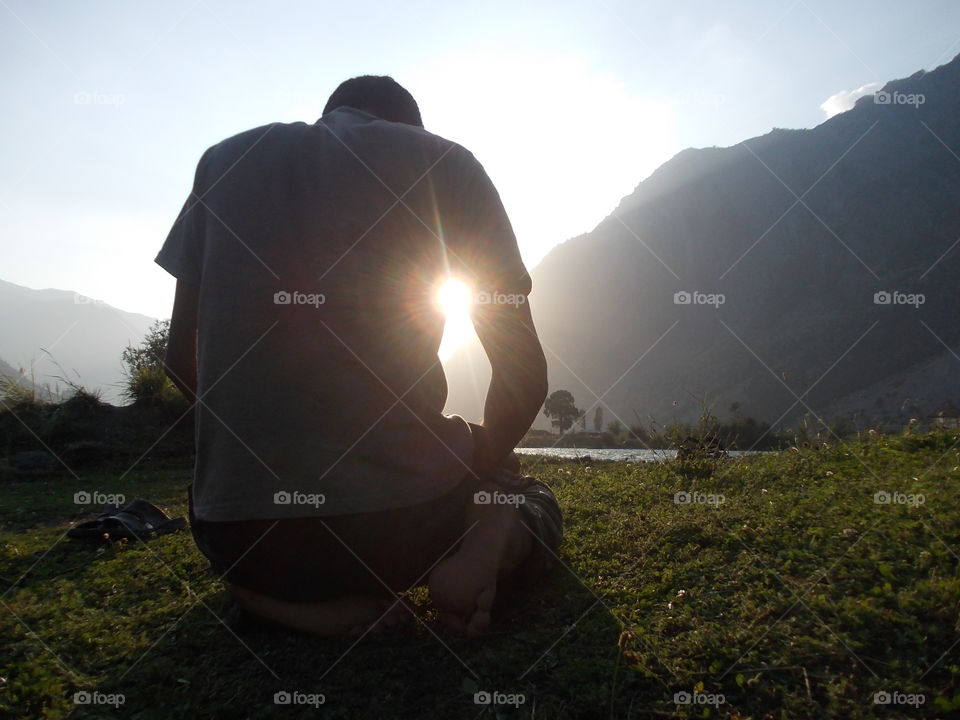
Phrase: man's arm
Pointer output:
(181, 359)
(518, 384)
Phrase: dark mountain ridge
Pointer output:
(797, 230)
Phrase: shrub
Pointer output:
(149, 385)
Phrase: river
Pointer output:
(628, 455)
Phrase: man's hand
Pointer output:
(485, 458)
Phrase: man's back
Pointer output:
(317, 249)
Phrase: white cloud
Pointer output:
(845, 99)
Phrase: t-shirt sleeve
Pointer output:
(484, 247)
(182, 251)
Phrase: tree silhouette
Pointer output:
(598, 419)
(561, 410)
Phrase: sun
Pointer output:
(454, 299)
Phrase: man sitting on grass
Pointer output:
(305, 328)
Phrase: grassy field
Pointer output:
(783, 589)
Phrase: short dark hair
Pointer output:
(379, 95)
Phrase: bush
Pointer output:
(149, 385)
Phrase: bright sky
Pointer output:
(569, 105)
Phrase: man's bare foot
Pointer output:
(462, 588)
(351, 615)
(464, 585)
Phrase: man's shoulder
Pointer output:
(231, 147)
(276, 134)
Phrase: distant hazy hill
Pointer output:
(84, 336)
(879, 212)
(39, 391)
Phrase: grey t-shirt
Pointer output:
(317, 250)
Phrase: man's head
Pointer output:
(378, 95)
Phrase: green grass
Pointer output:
(797, 597)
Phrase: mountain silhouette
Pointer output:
(821, 268)
(57, 334)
